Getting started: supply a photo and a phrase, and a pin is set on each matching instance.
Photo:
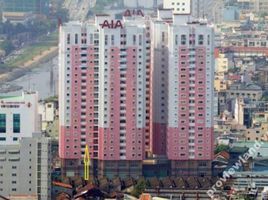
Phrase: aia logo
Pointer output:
(130, 13)
(112, 24)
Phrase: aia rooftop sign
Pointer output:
(130, 13)
(112, 24)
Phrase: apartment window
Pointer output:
(76, 38)
(163, 36)
(200, 39)
(134, 39)
(2, 123)
(183, 39)
(106, 40)
(68, 39)
(112, 39)
(91, 38)
(140, 40)
(16, 123)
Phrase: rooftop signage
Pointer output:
(113, 24)
(134, 12)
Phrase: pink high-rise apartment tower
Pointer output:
(103, 95)
(182, 90)
(137, 88)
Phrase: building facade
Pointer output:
(190, 105)
(178, 6)
(199, 9)
(150, 4)
(258, 6)
(25, 154)
(182, 89)
(48, 112)
(103, 94)
(137, 88)
(25, 169)
(15, 113)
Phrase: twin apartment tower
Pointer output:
(137, 89)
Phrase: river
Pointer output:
(43, 79)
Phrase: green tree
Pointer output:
(7, 46)
(221, 148)
(139, 188)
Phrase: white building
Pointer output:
(148, 4)
(47, 110)
(200, 9)
(178, 6)
(24, 153)
(18, 117)
(25, 168)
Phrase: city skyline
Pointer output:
(131, 99)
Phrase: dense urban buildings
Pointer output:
(141, 107)
(24, 152)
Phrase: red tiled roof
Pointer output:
(224, 154)
(145, 197)
(60, 184)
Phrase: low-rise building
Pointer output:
(16, 17)
(25, 154)
(25, 168)
(220, 85)
(244, 90)
(254, 134)
(221, 63)
(48, 112)
(245, 111)
(18, 117)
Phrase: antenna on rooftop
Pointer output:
(29, 82)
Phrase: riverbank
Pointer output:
(42, 78)
(15, 73)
